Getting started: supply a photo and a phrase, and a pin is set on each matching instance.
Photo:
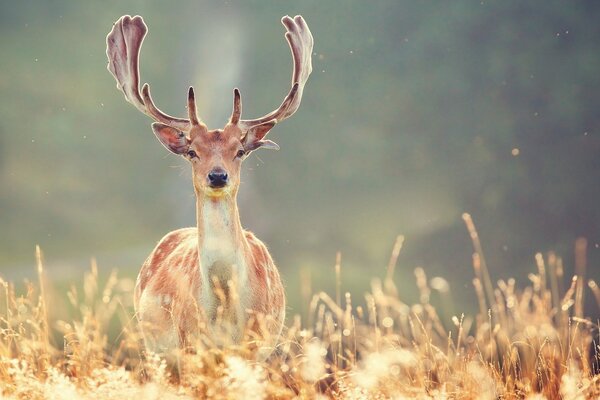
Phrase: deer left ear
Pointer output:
(254, 137)
(174, 140)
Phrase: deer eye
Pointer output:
(240, 153)
(192, 154)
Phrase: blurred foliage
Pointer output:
(411, 117)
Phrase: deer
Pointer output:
(214, 283)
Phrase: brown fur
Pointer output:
(172, 270)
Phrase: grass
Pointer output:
(533, 343)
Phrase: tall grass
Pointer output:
(533, 343)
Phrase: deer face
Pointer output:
(216, 157)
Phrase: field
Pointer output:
(533, 342)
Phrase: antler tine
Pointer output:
(301, 44)
(237, 107)
(123, 45)
(192, 112)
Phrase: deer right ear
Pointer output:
(174, 140)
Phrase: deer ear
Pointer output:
(254, 137)
(174, 140)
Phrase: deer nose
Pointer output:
(217, 178)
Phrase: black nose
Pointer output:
(217, 178)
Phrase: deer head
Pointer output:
(215, 155)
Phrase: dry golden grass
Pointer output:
(533, 343)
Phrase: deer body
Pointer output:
(161, 285)
(215, 282)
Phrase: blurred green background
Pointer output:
(416, 112)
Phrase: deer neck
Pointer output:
(221, 241)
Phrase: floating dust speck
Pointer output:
(515, 152)
(440, 284)
(387, 322)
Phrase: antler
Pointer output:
(123, 45)
(237, 107)
(301, 44)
